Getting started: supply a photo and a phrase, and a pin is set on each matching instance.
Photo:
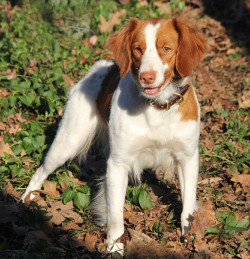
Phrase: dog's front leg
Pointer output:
(117, 181)
(188, 173)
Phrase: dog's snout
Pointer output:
(148, 77)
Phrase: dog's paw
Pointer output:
(27, 195)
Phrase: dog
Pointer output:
(143, 107)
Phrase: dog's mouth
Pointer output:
(152, 90)
(155, 90)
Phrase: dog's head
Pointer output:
(156, 51)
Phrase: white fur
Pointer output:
(139, 137)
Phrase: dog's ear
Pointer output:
(191, 46)
(120, 45)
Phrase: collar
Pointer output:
(176, 98)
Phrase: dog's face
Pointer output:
(156, 51)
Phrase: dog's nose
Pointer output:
(148, 77)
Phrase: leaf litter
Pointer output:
(153, 232)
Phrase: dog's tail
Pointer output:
(80, 124)
(99, 203)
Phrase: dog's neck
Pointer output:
(176, 98)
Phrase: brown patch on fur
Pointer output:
(108, 88)
(120, 45)
(191, 46)
(189, 107)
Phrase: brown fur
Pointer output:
(108, 88)
(189, 107)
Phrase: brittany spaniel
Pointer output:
(143, 108)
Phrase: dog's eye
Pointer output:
(166, 49)
(138, 50)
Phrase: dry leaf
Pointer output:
(93, 39)
(57, 218)
(114, 19)
(68, 81)
(32, 67)
(50, 189)
(243, 179)
(9, 190)
(69, 214)
(5, 148)
(213, 181)
(11, 74)
(90, 241)
(71, 226)
(244, 100)
(59, 205)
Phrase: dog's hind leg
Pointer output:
(78, 127)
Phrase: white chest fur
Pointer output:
(143, 137)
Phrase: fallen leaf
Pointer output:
(68, 81)
(11, 74)
(9, 190)
(5, 148)
(213, 181)
(32, 66)
(50, 189)
(114, 19)
(93, 39)
(69, 214)
(244, 100)
(71, 226)
(59, 205)
(90, 241)
(243, 179)
(204, 217)
(57, 218)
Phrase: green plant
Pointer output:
(79, 195)
(139, 196)
(229, 225)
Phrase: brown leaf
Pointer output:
(59, 205)
(5, 148)
(50, 189)
(14, 122)
(68, 81)
(9, 190)
(114, 19)
(70, 214)
(133, 217)
(212, 181)
(243, 179)
(57, 218)
(90, 241)
(11, 74)
(83, 59)
(71, 226)
(139, 237)
(32, 67)
(204, 217)
(92, 40)
(244, 100)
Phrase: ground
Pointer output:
(46, 47)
